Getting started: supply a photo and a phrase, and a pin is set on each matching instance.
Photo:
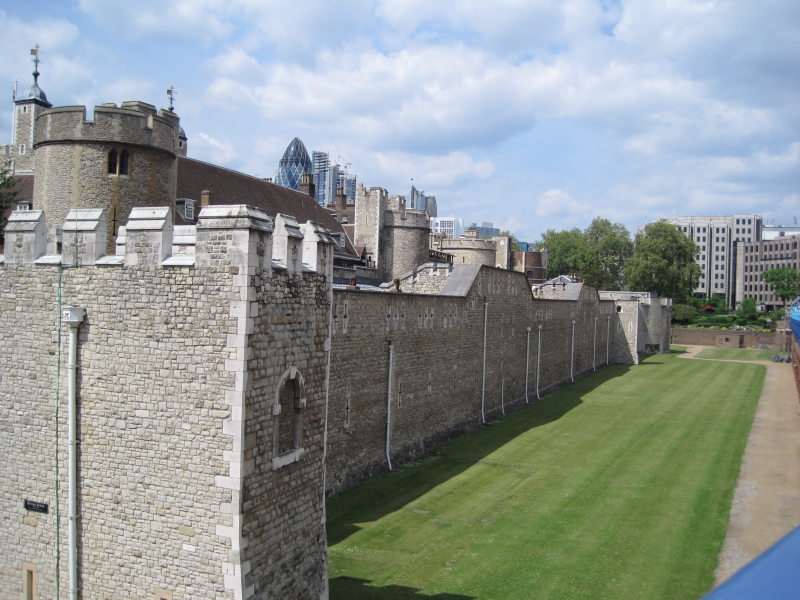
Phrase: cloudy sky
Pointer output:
(533, 114)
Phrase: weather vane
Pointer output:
(35, 55)
(171, 93)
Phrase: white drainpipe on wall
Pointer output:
(527, 364)
(483, 381)
(538, 361)
(594, 347)
(608, 336)
(389, 407)
(572, 355)
(73, 317)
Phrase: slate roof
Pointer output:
(231, 187)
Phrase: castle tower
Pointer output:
(125, 157)
(27, 107)
(405, 238)
(370, 208)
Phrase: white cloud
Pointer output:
(53, 35)
(195, 19)
(211, 149)
(558, 202)
(433, 171)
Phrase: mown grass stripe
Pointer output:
(617, 486)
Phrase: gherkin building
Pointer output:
(294, 163)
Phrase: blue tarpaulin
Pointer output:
(775, 575)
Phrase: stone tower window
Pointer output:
(118, 162)
(288, 409)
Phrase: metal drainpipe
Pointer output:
(483, 380)
(594, 347)
(527, 364)
(73, 317)
(608, 337)
(572, 355)
(389, 407)
(538, 361)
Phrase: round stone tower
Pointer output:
(124, 157)
(470, 249)
(405, 236)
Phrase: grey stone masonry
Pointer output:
(84, 236)
(188, 485)
(26, 236)
(148, 236)
(289, 243)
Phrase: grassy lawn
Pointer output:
(615, 487)
(738, 354)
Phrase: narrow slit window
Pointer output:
(123, 163)
(112, 162)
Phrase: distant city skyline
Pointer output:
(535, 116)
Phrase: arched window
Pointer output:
(112, 162)
(118, 162)
(288, 409)
(123, 163)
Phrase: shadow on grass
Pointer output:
(389, 492)
(352, 588)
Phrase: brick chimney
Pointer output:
(205, 197)
(307, 185)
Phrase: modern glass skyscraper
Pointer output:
(419, 201)
(329, 177)
(294, 163)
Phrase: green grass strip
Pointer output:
(617, 486)
(738, 354)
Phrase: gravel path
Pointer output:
(766, 501)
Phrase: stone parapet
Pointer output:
(148, 236)
(84, 235)
(317, 248)
(235, 235)
(26, 236)
(288, 246)
(136, 123)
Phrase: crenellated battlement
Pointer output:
(397, 215)
(136, 123)
(225, 236)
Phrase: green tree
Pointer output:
(564, 251)
(683, 313)
(8, 196)
(748, 309)
(785, 281)
(607, 248)
(663, 262)
(596, 254)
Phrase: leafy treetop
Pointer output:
(663, 262)
(785, 281)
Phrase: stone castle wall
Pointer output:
(203, 397)
(183, 372)
(439, 386)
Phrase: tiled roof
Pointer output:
(232, 187)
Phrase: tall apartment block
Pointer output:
(452, 227)
(717, 239)
(759, 256)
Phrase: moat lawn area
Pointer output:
(615, 487)
(738, 354)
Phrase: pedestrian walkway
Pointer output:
(766, 501)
